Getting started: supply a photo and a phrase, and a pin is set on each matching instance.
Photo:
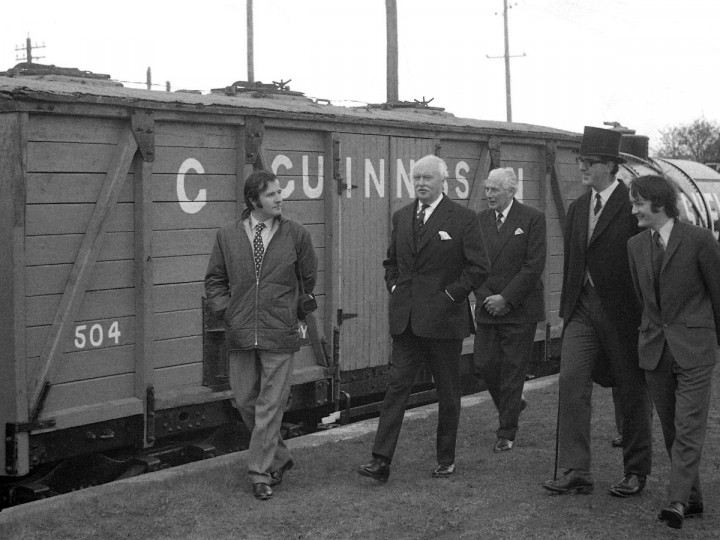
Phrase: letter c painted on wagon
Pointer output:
(188, 206)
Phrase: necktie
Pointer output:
(420, 220)
(499, 222)
(658, 252)
(598, 204)
(258, 247)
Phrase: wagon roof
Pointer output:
(92, 92)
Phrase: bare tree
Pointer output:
(698, 141)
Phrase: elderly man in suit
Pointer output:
(510, 302)
(435, 259)
(601, 316)
(674, 267)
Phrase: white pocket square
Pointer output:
(518, 231)
(444, 235)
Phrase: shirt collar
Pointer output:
(254, 222)
(605, 193)
(431, 206)
(506, 211)
(666, 229)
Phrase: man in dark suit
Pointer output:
(510, 302)
(674, 267)
(601, 315)
(435, 259)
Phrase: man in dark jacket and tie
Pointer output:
(435, 259)
(510, 303)
(601, 315)
(674, 266)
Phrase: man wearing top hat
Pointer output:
(601, 316)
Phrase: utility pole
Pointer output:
(392, 51)
(28, 51)
(148, 78)
(507, 56)
(250, 47)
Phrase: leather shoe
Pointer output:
(443, 471)
(694, 509)
(378, 469)
(503, 445)
(262, 491)
(617, 442)
(630, 485)
(276, 477)
(570, 482)
(673, 514)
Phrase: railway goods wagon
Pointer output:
(111, 198)
(109, 202)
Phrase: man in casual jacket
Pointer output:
(252, 283)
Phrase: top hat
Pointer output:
(600, 142)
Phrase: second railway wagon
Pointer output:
(109, 202)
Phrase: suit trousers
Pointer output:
(682, 398)
(502, 353)
(260, 381)
(588, 335)
(442, 357)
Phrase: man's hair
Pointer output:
(255, 184)
(658, 190)
(440, 165)
(506, 175)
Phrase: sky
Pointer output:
(648, 64)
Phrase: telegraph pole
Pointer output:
(392, 51)
(507, 56)
(250, 51)
(28, 51)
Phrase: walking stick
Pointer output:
(557, 420)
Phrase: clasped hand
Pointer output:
(496, 305)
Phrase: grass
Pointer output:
(490, 496)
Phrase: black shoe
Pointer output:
(694, 509)
(673, 514)
(443, 471)
(617, 442)
(378, 468)
(571, 482)
(503, 445)
(630, 485)
(262, 491)
(276, 477)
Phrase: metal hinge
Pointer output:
(344, 316)
(337, 177)
(143, 128)
(254, 134)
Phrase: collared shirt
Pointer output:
(267, 233)
(429, 210)
(504, 212)
(604, 196)
(665, 231)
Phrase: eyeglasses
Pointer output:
(587, 162)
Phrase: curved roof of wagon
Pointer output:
(81, 91)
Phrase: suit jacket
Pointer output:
(689, 317)
(517, 259)
(450, 257)
(605, 256)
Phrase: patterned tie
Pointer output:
(658, 252)
(258, 247)
(598, 204)
(420, 220)
(499, 221)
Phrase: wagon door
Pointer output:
(375, 172)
